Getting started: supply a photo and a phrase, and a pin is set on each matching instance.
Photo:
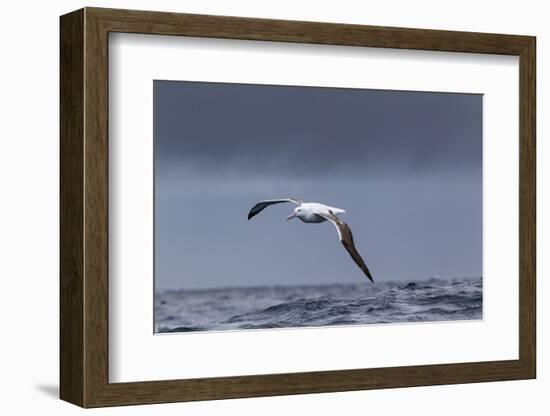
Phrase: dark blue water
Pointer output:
(309, 306)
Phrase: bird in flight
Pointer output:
(313, 212)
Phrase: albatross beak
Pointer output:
(290, 216)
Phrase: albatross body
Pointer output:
(311, 212)
(314, 212)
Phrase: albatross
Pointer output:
(313, 212)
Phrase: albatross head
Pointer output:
(298, 211)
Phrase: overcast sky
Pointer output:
(406, 166)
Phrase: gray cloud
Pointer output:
(299, 130)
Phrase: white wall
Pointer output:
(29, 207)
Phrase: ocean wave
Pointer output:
(329, 305)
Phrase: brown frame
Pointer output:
(84, 207)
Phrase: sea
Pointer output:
(248, 308)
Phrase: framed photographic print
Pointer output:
(255, 207)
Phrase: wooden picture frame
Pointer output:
(84, 207)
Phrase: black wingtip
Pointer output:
(367, 273)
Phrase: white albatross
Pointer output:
(313, 212)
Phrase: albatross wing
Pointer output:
(346, 237)
(256, 209)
